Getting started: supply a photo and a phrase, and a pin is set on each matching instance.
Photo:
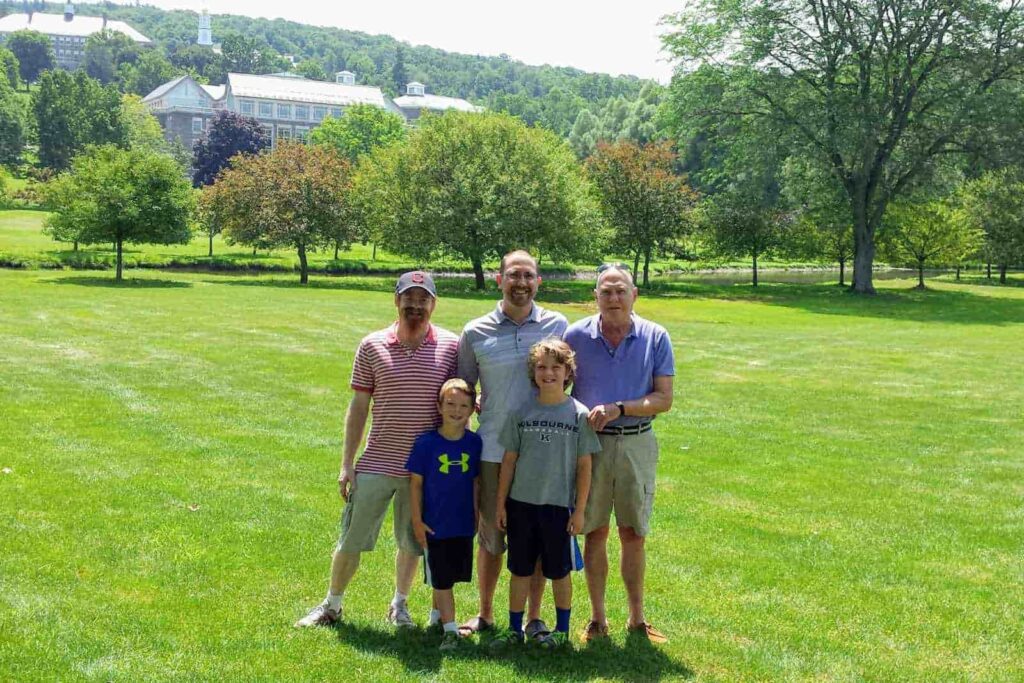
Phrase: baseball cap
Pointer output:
(416, 278)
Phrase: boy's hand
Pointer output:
(500, 517)
(575, 523)
(345, 481)
(420, 530)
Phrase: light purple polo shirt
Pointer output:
(626, 373)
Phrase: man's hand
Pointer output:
(501, 518)
(421, 530)
(575, 523)
(601, 415)
(345, 481)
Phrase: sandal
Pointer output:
(475, 625)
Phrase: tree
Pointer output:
(120, 196)
(71, 112)
(823, 224)
(148, 72)
(34, 52)
(105, 53)
(248, 55)
(925, 232)
(363, 128)
(874, 89)
(312, 69)
(142, 129)
(399, 74)
(10, 66)
(294, 196)
(994, 204)
(741, 223)
(228, 134)
(477, 185)
(12, 126)
(643, 200)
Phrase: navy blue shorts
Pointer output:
(448, 561)
(538, 531)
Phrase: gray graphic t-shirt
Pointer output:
(549, 440)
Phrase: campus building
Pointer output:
(68, 32)
(286, 105)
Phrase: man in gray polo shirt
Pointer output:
(493, 350)
(624, 370)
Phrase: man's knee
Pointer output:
(629, 537)
(598, 535)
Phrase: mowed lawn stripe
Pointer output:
(839, 491)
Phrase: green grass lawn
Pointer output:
(840, 486)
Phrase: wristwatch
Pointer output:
(622, 408)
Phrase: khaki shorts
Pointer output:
(491, 538)
(367, 506)
(623, 482)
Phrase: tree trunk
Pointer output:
(76, 245)
(211, 244)
(1002, 273)
(336, 247)
(636, 263)
(842, 272)
(254, 250)
(920, 274)
(374, 257)
(647, 267)
(864, 245)
(988, 270)
(113, 246)
(958, 273)
(303, 265)
(478, 272)
(755, 270)
(117, 247)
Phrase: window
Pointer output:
(336, 112)
(319, 113)
(301, 133)
(284, 111)
(301, 112)
(266, 110)
(197, 124)
(284, 132)
(245, 107)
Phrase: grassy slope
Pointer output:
(839, 491)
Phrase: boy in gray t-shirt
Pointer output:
(545, 473)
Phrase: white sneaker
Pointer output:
(399, 617)
(321, 615)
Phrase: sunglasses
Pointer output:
(617, 265)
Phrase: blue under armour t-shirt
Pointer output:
(448, 469)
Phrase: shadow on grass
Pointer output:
(417, 650)
(127, 283)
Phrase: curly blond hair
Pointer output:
(557, 349)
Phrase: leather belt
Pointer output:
(627, 431)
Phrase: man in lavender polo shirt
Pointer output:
(624, 375)
(493, 350)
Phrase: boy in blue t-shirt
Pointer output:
(444, 466)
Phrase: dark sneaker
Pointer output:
(594, 631)
(450, 641)
(553, 641)
(399, 617)
(506, 640)
(321, 615)
(536, 629)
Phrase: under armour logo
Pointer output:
(446, 463)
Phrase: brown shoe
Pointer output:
(594, 631)
(652, 634)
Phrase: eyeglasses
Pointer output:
(617, 265)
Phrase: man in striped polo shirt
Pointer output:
(493, 350)
(399, 370)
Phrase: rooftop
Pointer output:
(434, 103)
(304, 90)
(54, 24)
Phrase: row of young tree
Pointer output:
(477, 185)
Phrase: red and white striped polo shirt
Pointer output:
(404, 385)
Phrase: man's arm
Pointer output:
(419, 529)
(654, 403)
(506, 473)
(584, 465)
(355, 423)
(467, 368)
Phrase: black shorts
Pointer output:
(538, 531)
(448, 561)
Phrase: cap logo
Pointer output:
(417, 277)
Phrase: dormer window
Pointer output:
(415, 88)
(345, 78)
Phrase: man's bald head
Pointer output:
(517, 255)
(619, 269)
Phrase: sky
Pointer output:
(608, 37)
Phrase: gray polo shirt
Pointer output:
(493, 351)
